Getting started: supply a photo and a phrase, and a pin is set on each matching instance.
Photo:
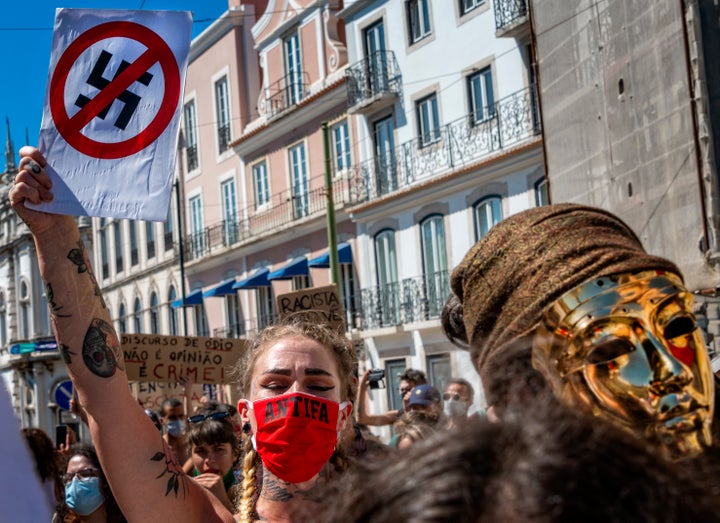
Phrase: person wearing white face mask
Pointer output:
(87, 494)
(457, 400)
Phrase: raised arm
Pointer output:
(145, 481)
(375, 420)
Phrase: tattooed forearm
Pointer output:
(54, 307)
(65, 352)
(176, 475)
(101, 349)
(78, 257)
(274, 489)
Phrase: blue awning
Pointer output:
(194, 298)
(259, 279)
(296, 267)
(323, 261)
(221, 289)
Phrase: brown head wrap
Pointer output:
(525, 263)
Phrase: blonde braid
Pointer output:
(247, 498)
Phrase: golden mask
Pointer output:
(627, 348)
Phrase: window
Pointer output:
(347, 284)
(439, 370)
(196, 225)
(122, 318)
(260, 184)
(201, 325)
(229, 210)
(118, 247)
(102, 237)
(418, 19)
(428, 120)
(298, 170)
(172, 312)
(487, 213)
(541, 192)
(480, 94)
(468, 5)
(388, 301)
(293, 69)
(24, 310)
(341, 146)
(222, 114)
(150, 239)
(133, 225)
(265, 306)
(168, 229)
(3, 321)
(234, 316)
(191, 138)
(393, 370)
(386, 172)
(300, 282)
(137, 316)
(154, 314)
(435, 273)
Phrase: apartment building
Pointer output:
(448, 134)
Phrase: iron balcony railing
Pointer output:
(409, 301)
(508, 12)
(376, 75)
(286, 92)
(508, 122)
(283, 209)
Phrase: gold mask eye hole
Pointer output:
(608, 351)
(679, 326)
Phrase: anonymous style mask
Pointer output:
(627, 348)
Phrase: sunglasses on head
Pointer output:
(197, 418)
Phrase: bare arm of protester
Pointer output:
(140, 469)
(364, 418)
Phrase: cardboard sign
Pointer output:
(157, 358)
(111, 117)
(152, 395)
(317, 304)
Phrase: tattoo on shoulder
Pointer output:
(54, 307)
(101, 349)
(78, 256)
(175, 475)
(275, 489)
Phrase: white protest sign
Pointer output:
(111, 116)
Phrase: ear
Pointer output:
(344, 416)
(244, 411)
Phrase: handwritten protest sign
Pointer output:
(318, 304)
(111, 116)
(152, 395)
(156, 358)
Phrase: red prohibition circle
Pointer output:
(157, 51)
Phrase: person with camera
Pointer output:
(370, 379)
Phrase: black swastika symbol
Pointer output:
(97, 80)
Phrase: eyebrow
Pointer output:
(308, 372)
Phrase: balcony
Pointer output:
(410, 301)
(285, 93)
(373, 83)
(509, 122)
(285, 208)
(511, 18)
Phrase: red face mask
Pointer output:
(296, 434)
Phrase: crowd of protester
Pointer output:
(600, 390)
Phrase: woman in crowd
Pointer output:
(564, 298)
(214, 452)
(87, 493)
(297, 381)
(48, 464)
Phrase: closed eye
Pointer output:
(608, 351)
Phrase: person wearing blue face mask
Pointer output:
(87, 494)
(175, 424)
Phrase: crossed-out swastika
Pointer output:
(97, 80)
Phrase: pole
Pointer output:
(330, 215)
(181, 255)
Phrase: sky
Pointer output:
(25, 45)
